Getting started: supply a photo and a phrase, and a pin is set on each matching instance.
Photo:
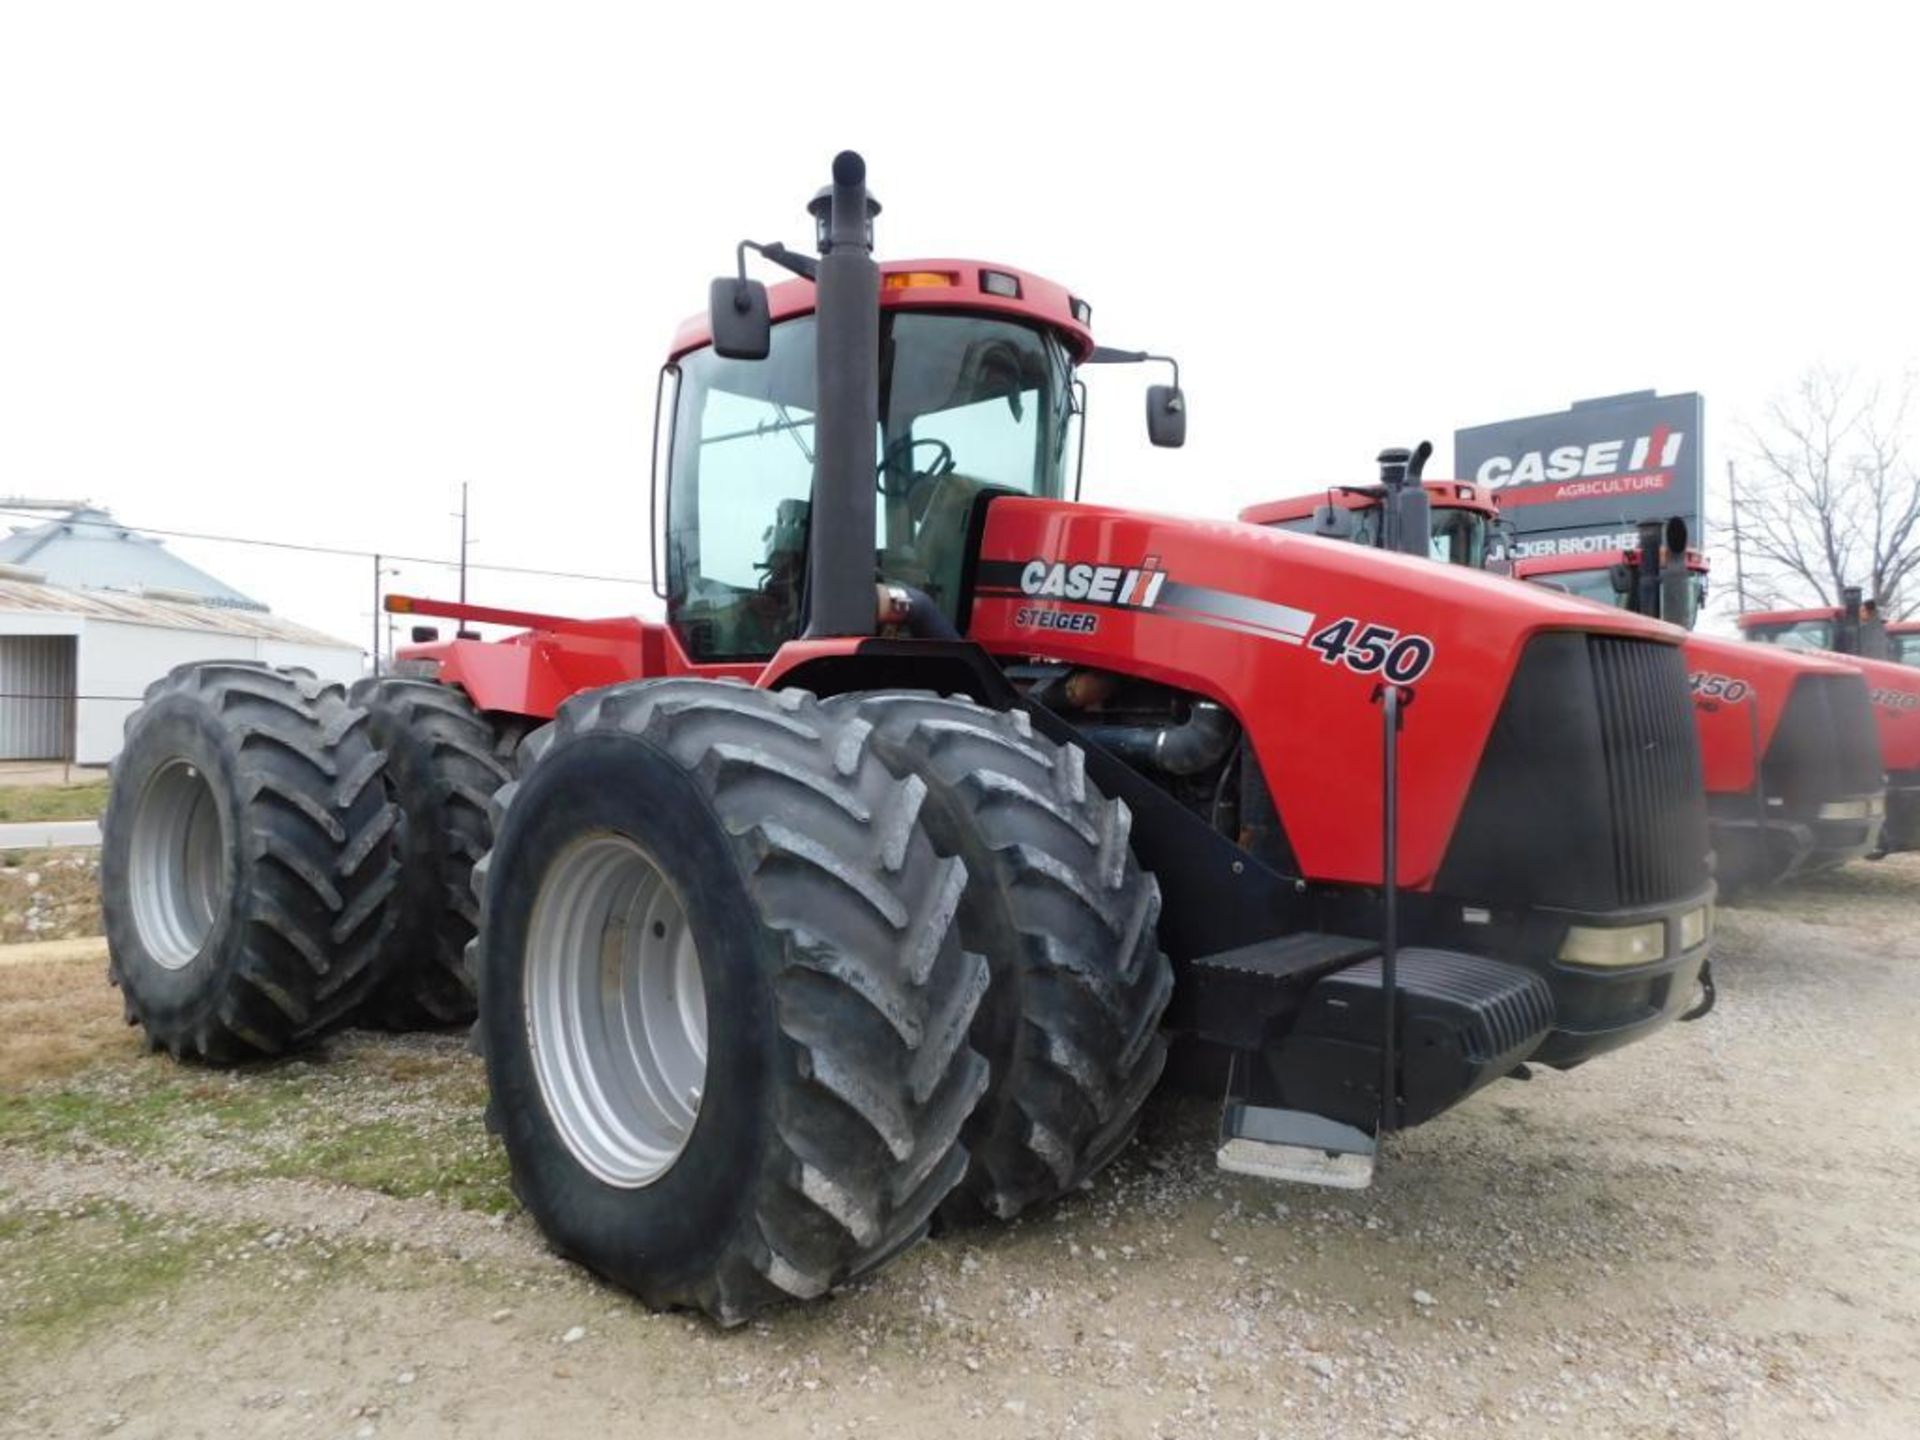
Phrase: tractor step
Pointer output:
(1293, 1145)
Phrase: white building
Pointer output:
(76, 656)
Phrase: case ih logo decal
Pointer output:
(1599, 471)
(1070, 597)
(1097, 584)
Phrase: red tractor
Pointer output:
(1881, 653)
(873, 884)
(1792, 764)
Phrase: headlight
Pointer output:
(1847, 810)
(1614, 947)
(1695, 927)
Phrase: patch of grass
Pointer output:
(52, 802)
(49, 894)
(57, 1019)
(403, 1116)
(465, 1170)
(60, 1271)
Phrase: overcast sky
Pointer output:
(297, 272)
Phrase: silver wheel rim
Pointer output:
(616, 1011)
(178, 864)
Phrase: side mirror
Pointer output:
(425, 634)
(737, 315)
(1334, 522)
(1166, 416)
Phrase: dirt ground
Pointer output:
(1715, 1233)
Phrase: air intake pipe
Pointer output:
(1194, 745)
(840, 565)
(1407, 513)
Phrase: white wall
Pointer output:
(118, 661)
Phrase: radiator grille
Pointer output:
(1826, 745)
(1652, 755)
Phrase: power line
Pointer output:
(338, 550)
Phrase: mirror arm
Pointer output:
(1107, 355)
(790, 260)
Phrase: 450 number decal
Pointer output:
(1373, 649)
(1708, 686)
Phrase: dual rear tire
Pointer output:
(248, 863)
(767, 984)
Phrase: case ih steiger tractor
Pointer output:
(1879, 651)
(1793, 770)
(872, 885)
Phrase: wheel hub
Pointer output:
(178, 864)
(616, 1010)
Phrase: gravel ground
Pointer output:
(1711, 1234)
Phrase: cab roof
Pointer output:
(1765, 619)
(1443, 494)
(937, 285)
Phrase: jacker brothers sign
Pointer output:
(1578, 481)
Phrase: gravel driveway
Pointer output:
(1715, 1233)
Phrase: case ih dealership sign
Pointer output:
(1580, 480)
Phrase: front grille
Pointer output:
(1652, 753)
(1588, 796)
(1826, 746)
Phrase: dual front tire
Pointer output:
(905, 937)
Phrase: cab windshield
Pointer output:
(1459, 537)
(1455, 536)
(1904, 647)
(1799, 635)
(967, 404)
(1598, 585)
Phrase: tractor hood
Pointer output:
(1294, 636)
(1740, 693)
(1895, 691)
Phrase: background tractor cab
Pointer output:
(1792, 766)
(1903, 642)
(1453, 521)
(1853, 627)
(1661, 577)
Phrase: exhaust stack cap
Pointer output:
(849, 177)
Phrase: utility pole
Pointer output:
(464, 542)
(1733, 507)
(376, 615)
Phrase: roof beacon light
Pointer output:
(919, 279)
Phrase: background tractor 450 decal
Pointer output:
(1362, 646)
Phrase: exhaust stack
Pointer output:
(840, 569)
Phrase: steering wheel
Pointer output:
(899, 456)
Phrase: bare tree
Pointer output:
(1829, 497)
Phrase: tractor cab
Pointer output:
(977, 395)
(1463, 524)
(1903, 642)
(1660, 577)
(1853, 627)
(969, 402)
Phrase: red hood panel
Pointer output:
(1293, 635)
